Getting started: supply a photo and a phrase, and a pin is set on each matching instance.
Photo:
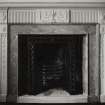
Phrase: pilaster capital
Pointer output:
(3, 15)
(102, 28)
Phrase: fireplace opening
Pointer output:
(50, 63)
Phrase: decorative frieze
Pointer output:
(38, 16)
(55, 15)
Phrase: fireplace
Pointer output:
(52, 52)
(48, 62)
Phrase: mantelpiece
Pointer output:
(72, 14)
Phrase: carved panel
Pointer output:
(44, 16)
(61, 15)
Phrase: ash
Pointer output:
(54, 92)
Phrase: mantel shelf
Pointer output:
(52, 4)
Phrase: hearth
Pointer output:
(50, 63)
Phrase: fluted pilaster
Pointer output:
(3, 54)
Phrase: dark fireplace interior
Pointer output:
(48, 62)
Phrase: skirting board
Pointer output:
(3, 97)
